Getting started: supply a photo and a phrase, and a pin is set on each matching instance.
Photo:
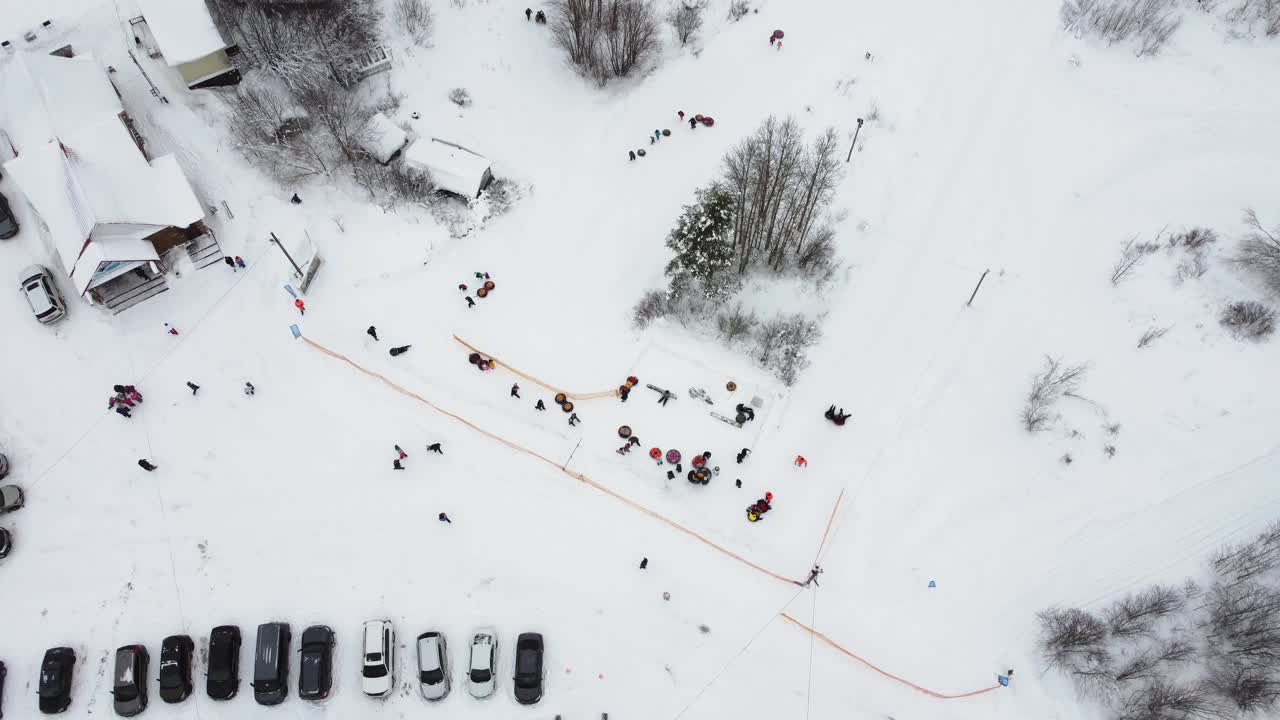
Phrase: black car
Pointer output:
(528, 678)
(129, 686)
(315, 676)
(6, 543)
(55, 680)
(175, 668)
(8, 223)
(223, 678)
(3, 672)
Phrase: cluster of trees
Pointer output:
(605, 39)
(766, 215)
(1180, 652)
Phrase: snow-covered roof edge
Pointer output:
(183, 29)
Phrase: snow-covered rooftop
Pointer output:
(453, 168)
(43, 96)
(384, 138)
(183, 29)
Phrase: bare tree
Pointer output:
(738, 9)
(1071, 636)
(1153, 334)
(1260, 250)
(263, 128)
(735, 323)
(1047, 388)
(1151, 21)
(1165, 700)
(416, 18)
(686, 19)
(1135, 614)
(575, 29)
(652, 306)
(1248, 320)
(1132, 254)
(1248, 687)
(343, 115)
(630, 34)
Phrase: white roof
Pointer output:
(43, 96)
(99, 198)
(453, 168)
(182, 28)
(384, 139)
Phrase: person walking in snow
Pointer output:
(170, 329)
(401, 453)
(123, 410)
(445, 518)
(302, 307)
(644, 563)
(671, 474)
(634, 441)
(400, 350)
(435, 448)
(249, 389)
(146, 465)
(462, 287)
(573, 419)
(372, 332)
(624, 392)
(657, 134)
(528, 14)
(737, 483)
(693, 123)
(801, 462)
(240, 262)
(813, 576)
(742, 455)
(515, 390)
(133, 394)
(540, 18)
(395, 464)
(681, 114)
(540, 405)
(470, 303)
(632, 153)
(194, 387)
(666, 395)
(230, 263)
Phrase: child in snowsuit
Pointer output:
(515, 390)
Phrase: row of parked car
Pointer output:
(36, 283)
(272, 655)
(11, 498)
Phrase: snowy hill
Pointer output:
(1002, 144)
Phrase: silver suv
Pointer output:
(42, 294)
(11, 498)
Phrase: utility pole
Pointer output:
(855, 140)
(280, 245)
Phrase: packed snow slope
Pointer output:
(1002, 144)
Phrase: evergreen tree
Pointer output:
(703, 243)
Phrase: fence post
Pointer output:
(975, 288)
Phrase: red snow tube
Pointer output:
(655, 453)
(474, 358)
(699, 461)
(673, 456)
(699, 118)
(488, 285)
(778, 34)
(708, 121)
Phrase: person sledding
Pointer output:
(836, 416)
(757, 509)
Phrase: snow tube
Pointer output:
(482, 292)
(484, 365)
(633, 380)
(666, 132)
(691, 478)
(779, 34)
(699, 461)
(566, 406)
(624, 432)
(624, 389)
(641, 152)
(474, 358)
(731, 386)
(673, 456)
(560, 398)
(655, 453)
(741, 418)
(489, 285)
(699, 118)
(751, 516)
(708, 121)
(701, 476)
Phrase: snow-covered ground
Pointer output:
(1002, 144)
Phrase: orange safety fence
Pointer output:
(577, 476)
(891, 676)
(530, 378)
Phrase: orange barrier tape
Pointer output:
(577, 476)
(530, 378)
(891, 676)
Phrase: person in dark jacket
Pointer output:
(445, 518)
(400, 350)
(230, 263)
(373, 332)
(124, 410)
(515, 390)
(396, 464)
(528, 14)
(146, 465)
(249, 389)
(671, 475)
(693, 123)
(737, 483)
(742, 454)
(240, 262)
(435, 448)
(644, 563)
(541, 17)
(470, 303)
(632, 154)
(401, 452)
(574, 419)
(540, 405)
(194, 387)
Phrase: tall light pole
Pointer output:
(855, 140)
(280, 245)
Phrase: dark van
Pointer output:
(271, 664)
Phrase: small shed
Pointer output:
(453, 168)
(383, 140)
(184, 34)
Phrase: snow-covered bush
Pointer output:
(416, 18)
(1260, 250)
(395, 184)
(605, 39)
(738, 9)
(735, 323)
(462, 220)
(1152, 22)
(1248, 320)
(267, 129)
(1047, 388)
(460, 97)
(702, 244)
(1131, 254)
(1257, 15)
(686, 19)
(652, 305)
(782, 345)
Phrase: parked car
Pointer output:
(271, 664)
(433, 666)
(528, 675)
(8, 223)
(175, 668)
(315, 672)
(11, 498)
(42, 294)
(223, 679)
(6, 543)
(4, 465)
(379, 670)
(482, 678)
(129, 688)
(54, 689)
(4, 672)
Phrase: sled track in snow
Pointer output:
(577, 476)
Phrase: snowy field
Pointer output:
(1003, 144)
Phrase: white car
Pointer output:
(378, 672)
(42, 294)
(433, 666)
(482, 675)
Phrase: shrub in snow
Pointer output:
(1151, 22)
(1256, 16)
(415, 17)
(782, 344)
(267, 130)
(1131, 254)
(686, 19)
(1071, 637)
(652, 305)
(1047, 388)
(735, 323)
(395, 184)
(460, 97)
(1248, 320)
(738, 9)
(702, 243)
(1151, 335)
(605, 39)
(1260, 250)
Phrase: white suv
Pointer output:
(482, 676)
(433, 666)
(42, 294)
(378, 673)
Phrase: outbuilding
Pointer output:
(453, 168)
(383, 140)
(182, 31)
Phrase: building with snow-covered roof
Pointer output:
(382, 139)
(106, 210)
(183, 33)
(453, 168)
